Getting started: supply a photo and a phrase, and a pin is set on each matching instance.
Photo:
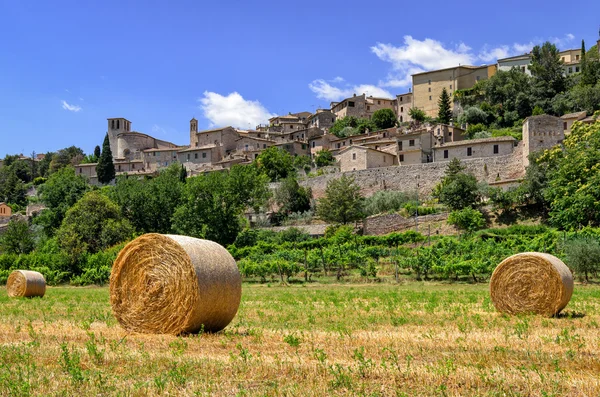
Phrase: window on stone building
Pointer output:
(133, 166)
(401, 119)
(195, 155)
(401, 109)
(469, 151)
(112, 124)
(400, 145)
(368, 107)
(188, 156)
(80, 170)
(429, 82)
(429, 89)
(430, 97)
(264, 145)
(445, 154)
(353, 156)
(477, 78)
(562, 59)
(313, 144)
(203, 155)
(401, 157)
(411, 142)
(565, 125)
(246, 146)
(154, 154)
(576, 69)
(495, 149)
(379, 102)
(338, 145)
(117, 124)
(523, 69)
(350, 104)
(570, 70)
(577, 57)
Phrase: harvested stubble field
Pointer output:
(373, 340)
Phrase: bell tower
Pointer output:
(117, 126)
(193, 131)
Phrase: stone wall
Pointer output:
(404, 177)
(383, 224)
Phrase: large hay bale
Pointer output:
(25, 283)
(531, 283)
(174, 284)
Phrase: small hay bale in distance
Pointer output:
(25, 283)
(169, 284)
(531, 283)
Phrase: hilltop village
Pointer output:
(305, 133)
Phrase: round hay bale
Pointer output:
(168, 284)
(531, 283)
(25, 283)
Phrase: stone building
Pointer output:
(474, 148)
(361, 106)
(571, 60)
(204, 155)
(541, 133)
(443, 133)
(224, 137)
(521, 62)
(415, 147)
(323, 118)
(569, 119)
(5, 211)
(354, 158)
(428, 86)
(403, 104)
(127, 145)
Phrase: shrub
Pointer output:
(467, 219)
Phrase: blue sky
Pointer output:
(67, 66)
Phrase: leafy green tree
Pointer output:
(71, 155)
(276, 163)
(18, 238)
(303, 163)
(417, 115)
(324, 158)
(105, 168)
(60, 192)
(93, 224)
(583, 255)
(150, 204)
(291, 197)
(384, 118)
(44, 164)
(458, 189)
(573, 178)
(213, 204)
(12, 189)
(350, 125)
(537, 111)
(444, 107)
(473, 115)
(467, 219)
(343, 203)
(547, 70)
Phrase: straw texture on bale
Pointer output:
(25, 283)
(168, 284)
(531, 283)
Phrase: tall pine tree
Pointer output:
(444, 108)
(97, 152)
(105, 168)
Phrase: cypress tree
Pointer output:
(105, 168)
(444, 108)
(97, 152)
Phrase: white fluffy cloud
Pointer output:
(69, 107)
(232, 110)
(329, 92)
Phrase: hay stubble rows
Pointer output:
(323, 339)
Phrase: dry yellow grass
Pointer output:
(374, 340)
